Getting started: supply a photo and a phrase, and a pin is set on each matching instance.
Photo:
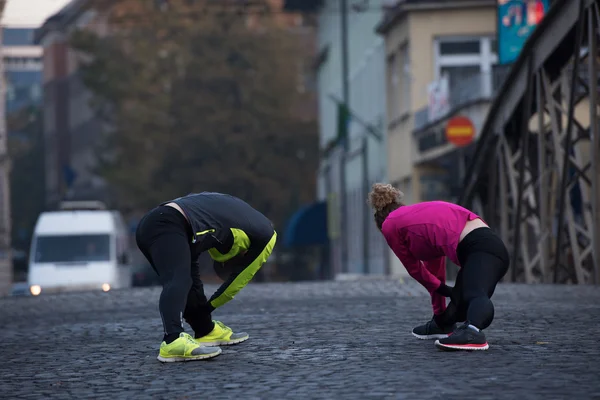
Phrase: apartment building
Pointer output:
(444, 45)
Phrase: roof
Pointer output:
(75, 223)
(392, 16)
(61, 19)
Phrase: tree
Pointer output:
(27, 191)
(198, 101)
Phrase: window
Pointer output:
(394, 93)
(461, 80)
(22, 88)
(448, 48)
(17, 36)
(467, 61)
(76, 248)
(405, 186)
(406, 79)
(23, 63)
(400, 79)
(434, 186)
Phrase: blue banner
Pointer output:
(516, 20)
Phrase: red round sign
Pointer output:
(460, 131)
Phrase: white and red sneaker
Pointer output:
(464, 337)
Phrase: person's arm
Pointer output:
(242, 270)
(414, 267)
(438, 297)
(197, 303)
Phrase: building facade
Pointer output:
(22, 68)
(441, 63)
(71, 129)
(425, 42)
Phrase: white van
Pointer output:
(82, 246)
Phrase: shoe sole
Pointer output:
(228, 343)
(425, 337)
(458, 347)
(192, 358)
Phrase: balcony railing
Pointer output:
(481, 86)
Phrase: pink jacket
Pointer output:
(421, 236)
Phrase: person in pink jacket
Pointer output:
(422, 235)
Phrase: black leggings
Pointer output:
(484, 260)
(164, 237)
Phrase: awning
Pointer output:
(307, 227)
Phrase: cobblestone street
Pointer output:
(331, 340)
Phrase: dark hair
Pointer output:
(384, 198)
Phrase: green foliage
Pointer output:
(26, 151)
(197, 101)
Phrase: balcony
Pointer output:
(474, 88)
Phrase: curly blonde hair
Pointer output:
(384, 198)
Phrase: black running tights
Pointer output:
(484, 260)
(164, 237)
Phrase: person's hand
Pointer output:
(444, 290)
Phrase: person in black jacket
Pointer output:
(172, 236)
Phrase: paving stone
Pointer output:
(314, 340)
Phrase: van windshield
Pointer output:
(72, 248)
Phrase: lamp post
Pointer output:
(6, 272)
(345, 141)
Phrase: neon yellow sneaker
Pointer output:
(185, 348)
(222, 335)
